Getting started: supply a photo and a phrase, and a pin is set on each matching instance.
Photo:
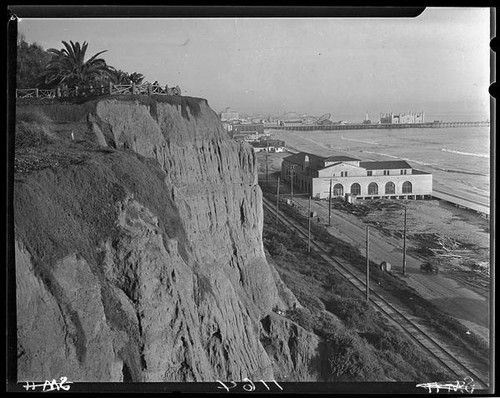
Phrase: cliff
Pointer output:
(139, 254)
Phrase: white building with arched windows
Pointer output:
(391, 179)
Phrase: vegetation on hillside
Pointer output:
(70, 65)
(357, 344)
(31, 61)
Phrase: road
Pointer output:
(449, 295)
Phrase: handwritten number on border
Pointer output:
(226, 387)
(251, 386)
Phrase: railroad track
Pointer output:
(455, 363)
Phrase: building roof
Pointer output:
(317, 162)
(340, 159)
(299, 158)
(385, 165)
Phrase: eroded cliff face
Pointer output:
(145, 262)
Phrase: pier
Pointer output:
(391, 126)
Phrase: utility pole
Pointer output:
(367, 264)
(277, 200)
(404, 245)
(291, 181)
(330, 205)
(267, 154)
(309, 228)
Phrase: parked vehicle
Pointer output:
(385, 266)
(429, 268)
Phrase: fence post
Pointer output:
(36, 92)
(58, 92)
(150, 89)
(76, 91)
(110, 88)
(133, 88)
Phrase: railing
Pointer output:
(90, 91)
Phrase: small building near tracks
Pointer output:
(389, 179)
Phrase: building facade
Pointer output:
(229, 115)
(256, 128)
(402, 118)
(391, 179)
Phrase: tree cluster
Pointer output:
(66, 67)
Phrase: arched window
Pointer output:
(390, 188)
(338, 190)
(356, 189)
(407, 187)
(373, 188)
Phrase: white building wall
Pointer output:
(421, 185)
(334, 171)
(392, 172)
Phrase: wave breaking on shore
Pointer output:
(479, 155)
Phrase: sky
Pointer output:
(438, 62)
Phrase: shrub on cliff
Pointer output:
(32, 115)
(33, 129)
(349, 358)
(302, 316)
(354, 312)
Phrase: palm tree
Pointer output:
(69, 66)
(136, 77)
(119, 77)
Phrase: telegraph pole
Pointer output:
(404, 245)
(309, 228)
(267, 154)
(367, 264)
(330, 205)
(277, 200)
(291, 181)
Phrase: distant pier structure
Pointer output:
(359, 126)
(402, 118)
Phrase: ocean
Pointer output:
(458, 157)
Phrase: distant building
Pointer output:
(367, 119)
(269, 145)
(227, 126)
(289, 119)
(290, 123)
(394, 179)
(402, 118)
(229, 115)
(252, 128)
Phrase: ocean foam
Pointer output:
(479, 155)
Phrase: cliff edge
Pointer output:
(139, 254)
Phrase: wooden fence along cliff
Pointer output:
(87, 91)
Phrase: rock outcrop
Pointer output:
(143, 259)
